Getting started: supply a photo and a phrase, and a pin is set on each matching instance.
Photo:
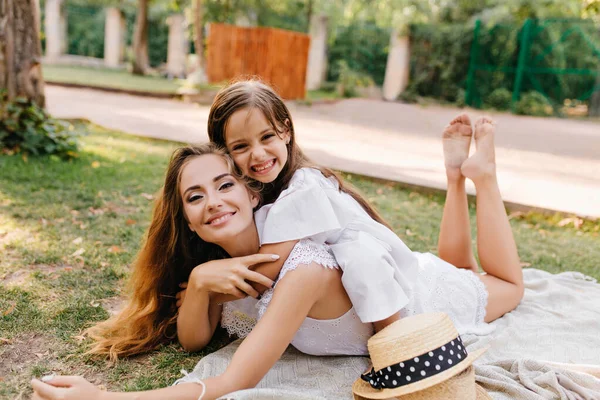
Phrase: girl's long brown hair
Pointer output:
(168, 255)
(256, 94)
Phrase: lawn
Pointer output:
(69, 231)
(108, 78)
(124, 80)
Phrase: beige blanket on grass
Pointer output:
(531, 357)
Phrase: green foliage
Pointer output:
(439, 60)
(461, 98)
(500, 99)
(350, 81)
(408, 95)
(534, 103)
(364, 48)
(26, 128)
(85, 29)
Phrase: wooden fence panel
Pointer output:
(277, 56)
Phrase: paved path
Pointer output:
(546, 163)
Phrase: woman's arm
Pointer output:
(271, 270)
(197, 319)
(292, 300)
(200, 311)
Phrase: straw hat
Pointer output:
(420, 357)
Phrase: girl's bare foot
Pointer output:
(482, 164)
(456, 140)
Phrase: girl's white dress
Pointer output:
(459, 293)
(380, 273)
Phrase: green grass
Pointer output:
(120, 79)
(69, 231)
(117, 79)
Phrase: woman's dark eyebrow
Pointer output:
(215, 179)
(219, 177)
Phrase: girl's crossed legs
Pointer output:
(503, 276)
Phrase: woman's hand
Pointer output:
(229, 276)
(65, 388)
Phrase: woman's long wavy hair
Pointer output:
(168, 255)
(253, 93)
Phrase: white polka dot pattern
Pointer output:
(418, 368)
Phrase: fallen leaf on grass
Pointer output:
(94, 303)
(115, 249)
(96, 211)
(130, 222)
(516, 214)
(10, 309)
(147, 196)
(78, 240)
(5, 340)
(379, 191)
(409, 232)
(577, 222)
(78, 252)
(79, 338)
(95, 164)
(104, 264)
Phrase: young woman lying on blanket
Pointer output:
(205, 212)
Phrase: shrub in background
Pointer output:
(27, 128)
(349, 80)
(534, 103)
(461, 98)
(439, 60)
(499, 99)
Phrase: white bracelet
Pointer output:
(198, 381)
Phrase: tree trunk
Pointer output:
(21, 50)
(140, 40)
(198, 10)
(309, 13)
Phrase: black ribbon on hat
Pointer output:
(418, 368)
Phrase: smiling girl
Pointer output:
(304, 201)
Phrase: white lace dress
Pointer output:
(459, 293)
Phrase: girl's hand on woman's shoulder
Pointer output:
(230, 276)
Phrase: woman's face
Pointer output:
(218, 207)
(257, 149)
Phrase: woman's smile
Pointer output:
(220, 219)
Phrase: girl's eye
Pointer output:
(238, 147)
(226, 185)
(268, 136)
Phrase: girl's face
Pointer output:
(257, 149)
(217, 206)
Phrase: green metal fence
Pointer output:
(558, 58)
